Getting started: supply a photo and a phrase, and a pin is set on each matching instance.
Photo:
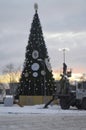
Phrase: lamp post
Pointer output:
(44, 75)
(64, 50)
(64, 65)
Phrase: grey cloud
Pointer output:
(58, 16)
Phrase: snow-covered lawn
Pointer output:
(38, 109)
(37, 118)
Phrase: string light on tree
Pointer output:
(33, 73)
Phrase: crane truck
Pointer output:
(68, 96)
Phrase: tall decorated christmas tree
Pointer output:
(36, 77)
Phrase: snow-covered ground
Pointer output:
(37, 118)
(38, 109)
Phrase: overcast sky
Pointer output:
(63, 23)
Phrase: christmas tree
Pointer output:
(36, 77)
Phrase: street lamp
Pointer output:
(64, 65)
(41, 60)
(64, 50)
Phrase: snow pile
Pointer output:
(38, 109)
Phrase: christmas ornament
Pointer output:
(35, 66)
(35, 54)
(43, 72)
(35, 74)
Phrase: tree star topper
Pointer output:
(36, 6)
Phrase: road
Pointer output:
(42, 122)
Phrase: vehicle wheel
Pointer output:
(84, 103)
(64, 103)
(79, 107)
(78, 104)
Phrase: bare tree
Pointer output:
(12, 73)
(9, 69)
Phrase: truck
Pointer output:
(73, 97)
(68, 95)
